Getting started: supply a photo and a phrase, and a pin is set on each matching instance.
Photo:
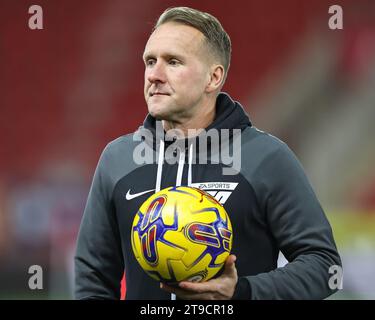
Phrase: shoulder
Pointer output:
(119, 149)
(117, 158)
(119, 144)
(264, 156)
(259, 145)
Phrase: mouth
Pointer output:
(159, 94)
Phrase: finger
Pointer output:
(198, 287)
(231, 259)
(211, 285)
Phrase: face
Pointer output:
(176, 71)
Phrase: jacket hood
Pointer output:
(229, 115)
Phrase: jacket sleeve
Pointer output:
(99, 263)
(300, 228)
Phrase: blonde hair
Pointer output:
(216, 37)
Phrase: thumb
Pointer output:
(230, 266)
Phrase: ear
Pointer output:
(216, 78)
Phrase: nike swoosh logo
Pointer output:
(135, 195)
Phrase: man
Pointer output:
(270, 201)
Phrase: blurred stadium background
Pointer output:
(72, 87)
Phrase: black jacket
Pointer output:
(270, 202)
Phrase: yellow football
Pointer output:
(181, 233)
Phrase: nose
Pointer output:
(156, 73)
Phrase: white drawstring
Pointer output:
(190, 173)
(160, 166)
(180, 169)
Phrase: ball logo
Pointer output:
(226, 234)
(206, 234)
(148, 239)
(153, 212)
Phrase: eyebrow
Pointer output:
(165, 56)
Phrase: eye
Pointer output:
(173, 62)
(150, 62)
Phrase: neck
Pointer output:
(200, 120)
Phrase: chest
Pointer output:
(232, 191)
